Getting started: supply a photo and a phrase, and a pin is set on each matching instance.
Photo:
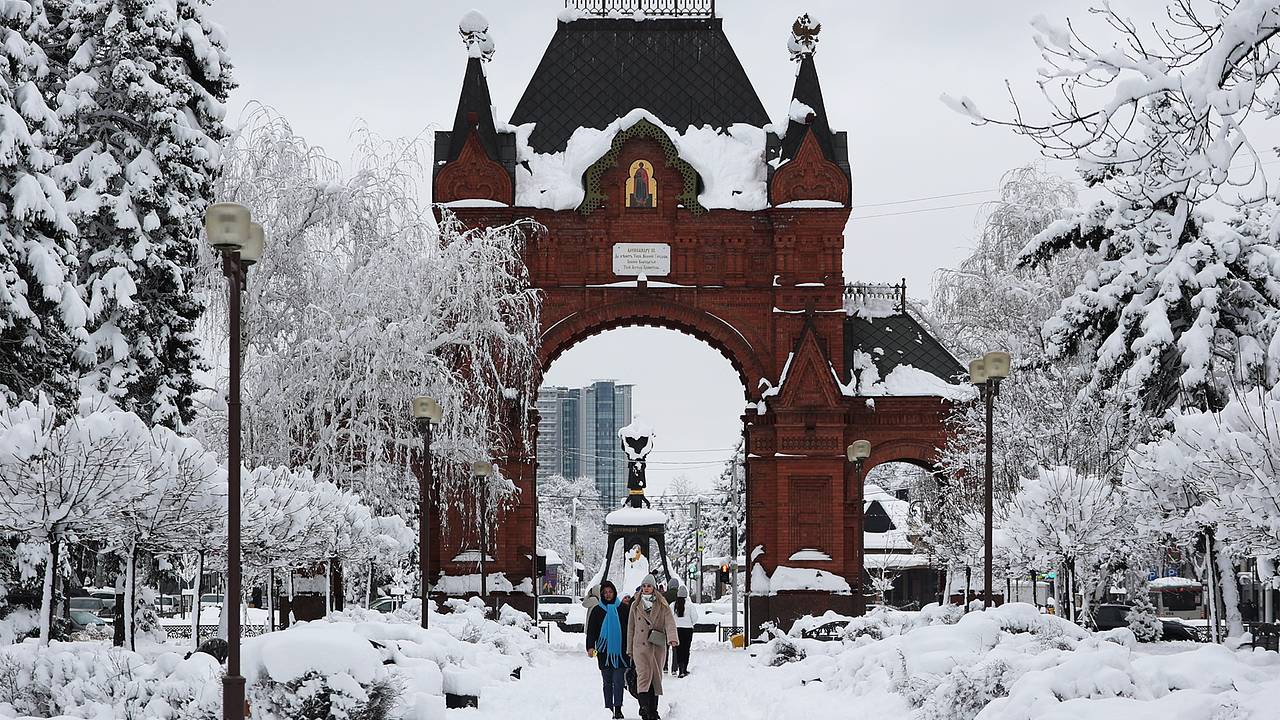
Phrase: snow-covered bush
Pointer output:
(321, 697)
(965, 691)
(1142, 618)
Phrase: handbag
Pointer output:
(632, 682)
(657, 637)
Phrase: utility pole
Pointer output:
(573, 549)
(697, 540)
(733, 548)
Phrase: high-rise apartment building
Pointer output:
(578, 435)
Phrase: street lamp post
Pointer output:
(857, 453)
(427, 412)
(481, 471)
(240, 241)
(986, 373)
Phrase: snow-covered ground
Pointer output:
(1010, 663)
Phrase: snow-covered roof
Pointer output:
(553, 557)
(1173, 583)
(899, 512)
(879, 339)
(635, 516)
(729, 161)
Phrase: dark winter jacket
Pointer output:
(595, 619)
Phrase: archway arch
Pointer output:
(671, 315)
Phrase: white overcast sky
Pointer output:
(397, 65)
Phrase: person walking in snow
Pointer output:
(606, 624)
(686, 614)
(651, 629)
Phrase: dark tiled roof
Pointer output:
(596, 70)
(897, 340)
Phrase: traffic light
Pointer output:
(722, 575)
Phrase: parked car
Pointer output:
(108, 598)
(84, 619)
(211, 600)
(385, 604)
(168, 605)
(91, 605)
(554, 607)
(1111, 616)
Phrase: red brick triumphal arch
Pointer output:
(731, 231)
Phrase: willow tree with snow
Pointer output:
(1180, 302)
(363, 301)
(1042, 418)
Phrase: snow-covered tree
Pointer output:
(178, 493)
(1041, 417)
(1211, 483)
(1068, 520)
(1180, 303)
(364, 301)
(60, 478)
(143, 106)
(1142, 617)
(42, 316)
(557, 496)
(726, 507)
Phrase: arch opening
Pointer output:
(682, 385)
(897, 566)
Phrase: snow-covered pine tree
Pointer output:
(1142, 617)
(143, 106)
(42, 316)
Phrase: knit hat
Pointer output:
(649, 580)
(682, 592)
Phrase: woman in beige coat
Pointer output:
(650, 613)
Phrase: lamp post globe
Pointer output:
(978, 371)
(227, 225)
(996, 364)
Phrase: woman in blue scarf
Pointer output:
(605, 626)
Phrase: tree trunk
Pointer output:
(195, 601)
(271, 599)
(129, 592)
(292, 618)
(46, 594)
(328, 587)
(968, 585)
(1211, 601)
(1071, 589)
(368, 590)
(1230, 591)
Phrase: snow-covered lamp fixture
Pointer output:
(426, 408)
(481, 469)
(227, 225)
(978, 371)
(996, 363)
(251, 251)
(858, 451)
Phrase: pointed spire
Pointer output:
(475, 109)
(807, 111)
